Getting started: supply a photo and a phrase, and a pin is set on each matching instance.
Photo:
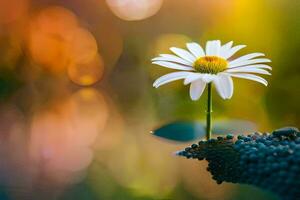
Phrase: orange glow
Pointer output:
(134, 10)
(77, 104)
(11, 10)
(82, 46)
(62, 135)
(56, 20)
(50, 51)
(56, 41)
(92, 113)
(49, 32)
(87, 73)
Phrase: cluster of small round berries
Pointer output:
(269, 161)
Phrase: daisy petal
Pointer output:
(173, 65)
(225, 47)
(219, 89)
(192, 77)
(259, 66)
(196, 89)
(232, 51)
(248, 70)
(224, 86)
(172, 58)
(207, 78)
(250, 77)
(213, 48)
(183, 54)
(169, 78)
(249, 62)
(196, 49)
(246, 57)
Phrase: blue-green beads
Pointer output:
(269, 161)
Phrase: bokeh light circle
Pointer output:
(55, 20)
(86, 74)
(93, 112)
(62, 135)
(132, 10)
(58, 43)
(82, 46)
(49, 34)
(48, 51)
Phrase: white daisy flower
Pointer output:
(199, 67)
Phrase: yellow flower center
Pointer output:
(210, 64)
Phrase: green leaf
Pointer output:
(186, 131)
(181, 131)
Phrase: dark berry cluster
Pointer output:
(269, 161)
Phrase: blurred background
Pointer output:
(77, 103)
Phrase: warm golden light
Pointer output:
(49, 32)
(77, 103)
(82, 46)
(49, 51)
(91, 112)
(56, 41)
(86, 74)
(163, 42)
(134, 10)
(161, 45)
(55, 20)
(12, 10)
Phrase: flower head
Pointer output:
(199, 67)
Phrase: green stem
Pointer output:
(209, 111)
